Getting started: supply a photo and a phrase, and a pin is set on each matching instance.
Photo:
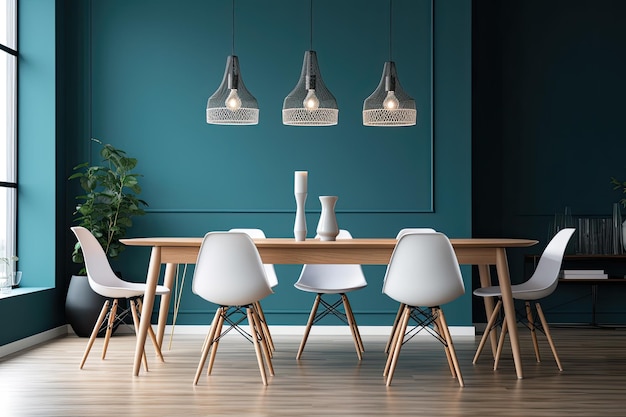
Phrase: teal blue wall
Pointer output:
(37, 112)
(141, 83)
(154, 67)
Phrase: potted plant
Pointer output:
(106, 209)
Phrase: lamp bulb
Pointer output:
(233, 102)
(311, 102)
(391, 102)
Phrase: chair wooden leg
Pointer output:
(133, 311)
(316, 304)
(94, 332)
(393, 356)
(153, 337)
(110, 325)
(438, 328)
(396, 321)
(356, 328)
(393, 338)
(205, 348)
(500, 346)
(546, 329)
(490, 327)
(450, 347)
(207, 339)
(255, 342)
(533, 330)
(263, 343)
(264, 327)
(355, 332)
(215, 342)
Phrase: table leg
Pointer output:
(148, 302)
(594, 301)
(168, 281)
(485, 281)
(504, 279)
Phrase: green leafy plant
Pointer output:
(110, 200)
(619, 185)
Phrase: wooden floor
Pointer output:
(329, 380)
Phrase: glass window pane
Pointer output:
(7, 23)
(7, 117)
(7, 222)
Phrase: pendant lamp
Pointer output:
(310, 103)
(232, 103)
(389, 104)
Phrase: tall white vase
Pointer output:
(327, 228)
(299, 227)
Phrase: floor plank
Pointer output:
(328, 380)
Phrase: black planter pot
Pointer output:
(83, 306)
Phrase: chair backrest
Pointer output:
(270, 272)
(229, 270)
(99, 272)
(423, 271)
(546, 275)
(408, 230)
(333, 276)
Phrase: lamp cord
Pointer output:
(311, 25)
(90, 81)
(390, 27)
(233, 45)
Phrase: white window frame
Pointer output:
(8, 129)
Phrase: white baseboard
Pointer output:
(203, 330)
(321, 330)
(33, 340)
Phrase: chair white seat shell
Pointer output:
(423, 274)
(103, 281)
(229, 272)
(326, 279)
(401, 233)
(272, 280)
(542, 283)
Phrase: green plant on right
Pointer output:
(110, 200)
(617, 185)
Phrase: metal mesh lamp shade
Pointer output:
(310, 103)
(232, 103)
(389, 104)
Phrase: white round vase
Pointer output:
(327, 228)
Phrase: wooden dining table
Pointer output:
(172, 251)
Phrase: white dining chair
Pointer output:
(401, 233)
(423, 274)
(103, 281)
(272, 280)
(229, 272)
(332, 279)
(542, 283)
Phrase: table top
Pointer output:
(345, 243)
(365, 251)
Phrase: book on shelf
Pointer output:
(583, 274)
(582, 271)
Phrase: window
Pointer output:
(8, 118)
